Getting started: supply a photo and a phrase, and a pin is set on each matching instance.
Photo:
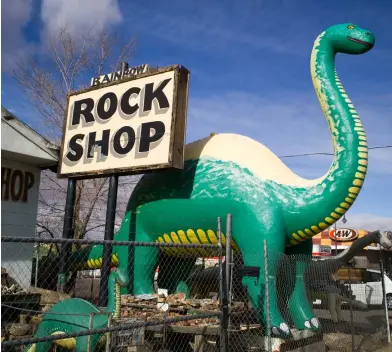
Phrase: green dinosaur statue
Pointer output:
(73, 315)
(230, 173)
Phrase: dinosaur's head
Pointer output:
(121, 276)
(348, 38)
(386, 239)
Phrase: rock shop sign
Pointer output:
(135, 124)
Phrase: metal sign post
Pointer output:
(109, 234)
(109, 231)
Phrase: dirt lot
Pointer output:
(369, 330)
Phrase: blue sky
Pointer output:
(249, 63)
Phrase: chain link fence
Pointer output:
(185, 297)
(164, 313)
(351, 307)
(326, 304)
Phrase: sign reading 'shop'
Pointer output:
(134, 124)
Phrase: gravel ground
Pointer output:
(369, 329)
(368, 321)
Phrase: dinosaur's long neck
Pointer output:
(332, 195)
(114, 297)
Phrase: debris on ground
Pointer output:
(157, 307)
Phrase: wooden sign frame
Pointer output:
(178, 126)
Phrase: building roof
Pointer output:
(22, 143)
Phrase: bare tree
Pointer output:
(68, 65)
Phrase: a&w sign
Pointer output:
(342, 235)
(134, 123)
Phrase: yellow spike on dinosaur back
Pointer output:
(357, 182)
(302, 234)
(322, 225)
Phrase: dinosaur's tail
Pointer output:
(90, 257)
(30, 348)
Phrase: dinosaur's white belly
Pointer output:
(247, 153)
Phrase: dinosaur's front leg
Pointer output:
(299, 304)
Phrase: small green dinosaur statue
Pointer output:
(73, 315)
(229, 173)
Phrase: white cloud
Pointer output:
(368, 222)
(79, 16)
(15, 15)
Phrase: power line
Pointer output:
(381, 147)
(324, 153)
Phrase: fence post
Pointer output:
(37, 253)
(228, 265)
(108, 335)
(220, 264)
(224, 340)
(67, 233)
(351, 313)
(267, 296)
(384, 295)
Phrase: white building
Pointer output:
(24, 153)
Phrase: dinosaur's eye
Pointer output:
(350, 27)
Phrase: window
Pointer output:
(373, 276)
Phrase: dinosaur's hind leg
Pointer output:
(250, 231)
